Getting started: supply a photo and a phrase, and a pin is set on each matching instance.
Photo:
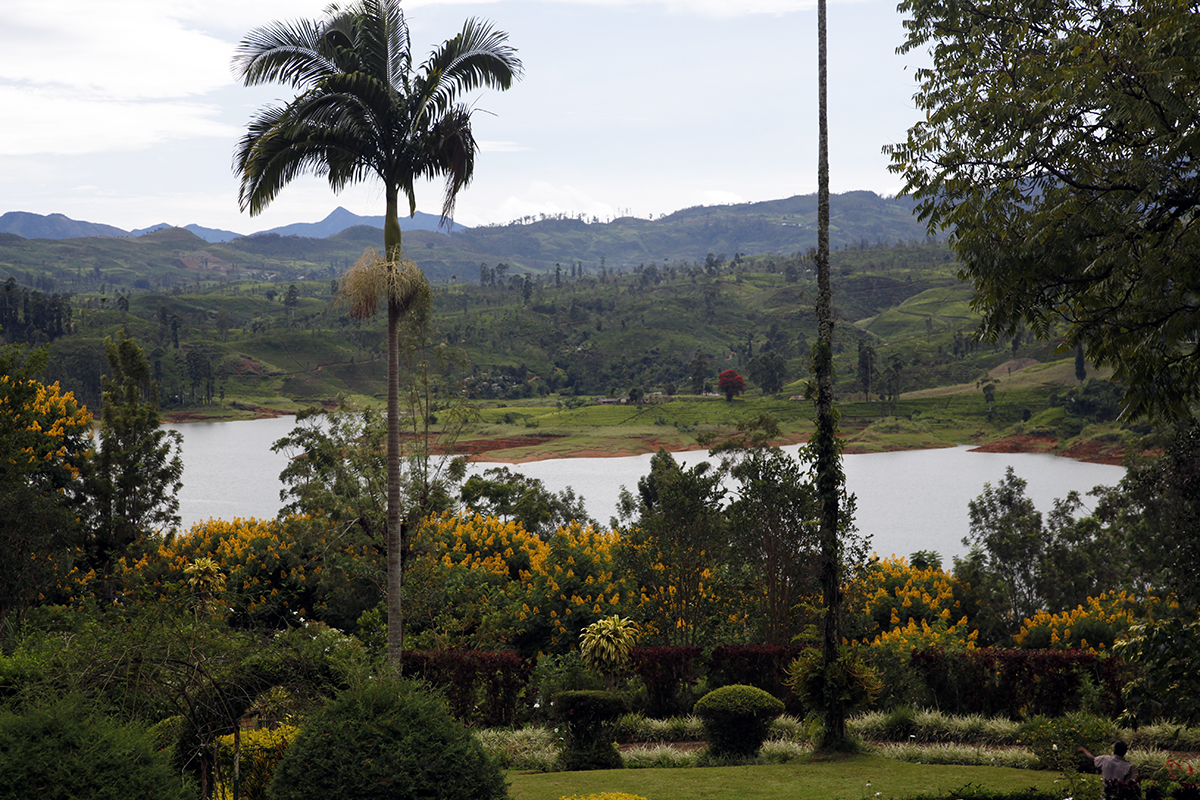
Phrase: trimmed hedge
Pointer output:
(589, 717)
(487, 688)
(666, 672)
(1018, 683)
(736, 720)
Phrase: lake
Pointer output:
(907, 501)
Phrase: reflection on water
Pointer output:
(907, 501)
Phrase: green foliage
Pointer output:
(1165, 683)
(774, 532)
(500, 492)
(133, 481)
(386, 738)
(677, 551)
(589, 718)
(736, 719)
(43, 445)
(849, 679)
(65, 749)
(1058, 143)
(1056, 741)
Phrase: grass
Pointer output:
(807, 778)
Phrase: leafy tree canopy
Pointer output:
(1060, 147)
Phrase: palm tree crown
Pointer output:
(362, 109)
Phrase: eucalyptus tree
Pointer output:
(363, 111)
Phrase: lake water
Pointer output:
(907, 501)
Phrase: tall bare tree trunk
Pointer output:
(828, 466)
(395, 562)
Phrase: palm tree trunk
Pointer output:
(827, 462)
(395, 563)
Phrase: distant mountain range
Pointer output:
(79, 256)
(58, 226)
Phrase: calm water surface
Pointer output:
(914, 500)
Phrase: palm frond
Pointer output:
(291, 53)
(478, 56)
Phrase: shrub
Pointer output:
(386, 738)
(736, 719)
(855, 682)
(589, 717)
(66, 749)
(1056, 742)
(261, 752)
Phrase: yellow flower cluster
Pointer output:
(908, 608)
(603, 796)
(1092, 626)
(509, 585)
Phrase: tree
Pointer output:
(866, 367)
(500, 492)
(44, 438)
(676, 550)
(774, 530)
(769, 371)
(731, 384)
(132, 483)
(362, 111)
(1006, 526)
(700, 372)
(1059, 146)
(1153, 520)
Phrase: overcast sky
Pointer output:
(126, 112)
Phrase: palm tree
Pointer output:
(363, 111)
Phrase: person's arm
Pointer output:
(1084, 750)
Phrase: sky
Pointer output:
(126, 112)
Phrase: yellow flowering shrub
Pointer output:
(485, 581)
(271, 572)
(910, 608)
(44, 438)
(1092, 626)
(603, 796)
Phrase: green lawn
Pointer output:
(849, 778)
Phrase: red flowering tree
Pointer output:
(730, 384)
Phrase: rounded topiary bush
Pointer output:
(66, 749)
(736, 719)
(589, 718)
(386, 738)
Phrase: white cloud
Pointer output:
(539, 197)
(72, 122)
(127, 50)
(501, 147)
(708, 8)
(716, 197)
